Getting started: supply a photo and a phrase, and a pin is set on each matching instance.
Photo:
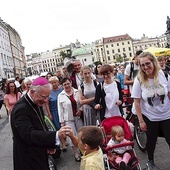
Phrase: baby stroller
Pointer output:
(106, 126)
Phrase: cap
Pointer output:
(40, 81)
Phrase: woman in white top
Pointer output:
(108, 96)
(151, 93)
(69, 110)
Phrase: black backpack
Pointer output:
(131, 69)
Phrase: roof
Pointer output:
(116, 38)
(80, 51)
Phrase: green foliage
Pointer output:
(97, 62)
(119, 59)
(63, 54)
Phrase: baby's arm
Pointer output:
(110, 143)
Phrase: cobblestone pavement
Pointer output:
(66, 160)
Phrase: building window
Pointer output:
(107, 52)
(128, 42)
(114, 57)
(106, 46)
(113, 51)
(123, 49)
(101, 49)
(117, 44)
(111, 45)
(118, 50)
(123, 43)
(108, 57)
(129, 49)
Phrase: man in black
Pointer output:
(31, 140)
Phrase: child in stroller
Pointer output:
(111, 160)
(121, 156)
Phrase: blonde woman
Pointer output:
(151, 93)
(51, 104)
(27, 84)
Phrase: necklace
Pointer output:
(40, 117)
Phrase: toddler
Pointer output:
(121, 155)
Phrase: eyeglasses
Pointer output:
(146, 64)
(106, 73)
(43, 97)
(66, 84)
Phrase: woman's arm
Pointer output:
(82, 98)
(47, 106)
(96, 102)
(6, 101)
(139, 114)
(60, 110)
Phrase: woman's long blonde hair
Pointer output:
(143, 78)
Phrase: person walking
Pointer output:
(32, 142)
(1, 98)
(151, 93)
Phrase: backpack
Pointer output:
(131, 69)
(82, 85)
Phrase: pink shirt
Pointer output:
(12, 99)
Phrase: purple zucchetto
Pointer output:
(40, 81)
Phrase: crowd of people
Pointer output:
(76, 101)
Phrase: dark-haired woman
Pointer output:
(11, 96)
(97, 72)
(69, 111)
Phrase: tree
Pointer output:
(119, 59)
(63, 54)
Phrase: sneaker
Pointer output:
(122, 166)
(128, 167)
(150, 165)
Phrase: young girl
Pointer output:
(86, 92)
(122, 155)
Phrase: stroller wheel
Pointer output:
(51, 163)
(140, 136)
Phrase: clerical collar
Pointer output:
(30, 97)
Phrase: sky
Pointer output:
(46, 24)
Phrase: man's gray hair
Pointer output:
(38, 87)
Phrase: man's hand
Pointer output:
(64, 131)
(51, 151)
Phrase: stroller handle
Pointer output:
(119, 145)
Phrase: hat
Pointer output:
(40, 81)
